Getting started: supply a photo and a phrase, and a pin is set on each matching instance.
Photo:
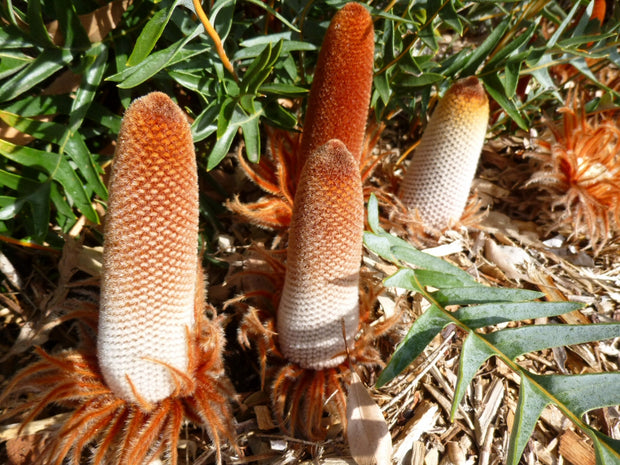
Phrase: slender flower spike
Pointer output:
(158, 358)
(150, 258)
(439, 176)
(321, 287)
(340, 93)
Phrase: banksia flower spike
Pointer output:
(321, 293)
(321, 287)
(337, 108)
(157, 359)
(340, 93)
(439, 176)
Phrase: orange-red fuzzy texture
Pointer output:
(340, 93)
(150, 252)
(440, 174)
(321, 288)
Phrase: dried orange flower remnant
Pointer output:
(158, 359)
(440, 174)
(580, 168)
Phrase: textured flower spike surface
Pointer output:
(158, 359)
(321, 294)
(439, 176)
(337, 109)
(340, 93)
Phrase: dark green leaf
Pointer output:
(150, 34)
(45, 65)
(482, 51)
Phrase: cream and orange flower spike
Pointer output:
(439, 176)
(320, 299)
(321, 286)
(157, 359)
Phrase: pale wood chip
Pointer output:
(490, 405)
(424, 420)
(575, 449)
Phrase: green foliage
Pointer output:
(482, 306)
(79, 84)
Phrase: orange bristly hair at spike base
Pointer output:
(158, 353)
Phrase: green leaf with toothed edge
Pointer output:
(481, 307)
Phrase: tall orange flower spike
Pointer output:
(157, 358)
(580, 169)
(320, 296)
(440, 174)
(340, 93)
(337, 109)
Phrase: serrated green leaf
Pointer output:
(511, 78)
(607, 449)
(514, 342)
(496, 90)
(77, 150)
(206, 123)
(479, 316)
(256, 75)
(422, 80)
(532, 402)
(373, 217)
(147, 68)
(73, 145)
(476, 58)
(251, 137)
(512, 46)
(94, 66)
(45, 65)
(421, 333)
(33, 193)
(417, 280)
(275, 13)
(279, 89)
(449, 15)
(36, 25)
(70, 25)
(473, 354)
(563, 25)
(582, 393)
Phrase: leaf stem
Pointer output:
(219, 48)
